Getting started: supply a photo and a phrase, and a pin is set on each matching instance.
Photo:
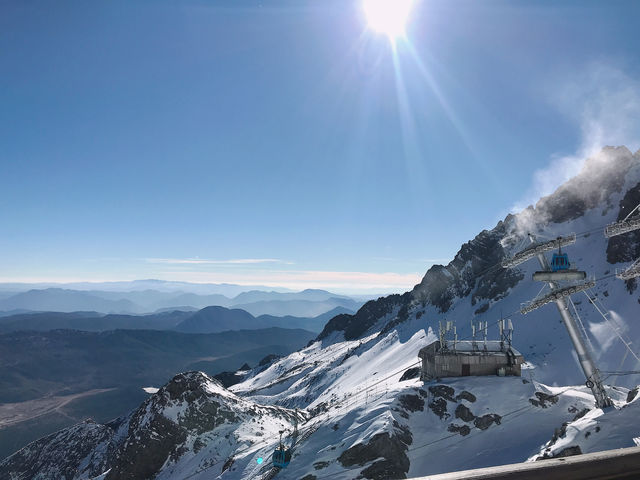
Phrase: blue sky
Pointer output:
(285, 143)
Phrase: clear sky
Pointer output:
(286, 142)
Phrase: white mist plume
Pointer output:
(605, 102)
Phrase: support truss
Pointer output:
(632, 272)
(623, 226)
(538, 249)
(556, 294)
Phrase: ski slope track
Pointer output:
(361, 408)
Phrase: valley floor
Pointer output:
(14, 413)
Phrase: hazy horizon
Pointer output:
(290, 144)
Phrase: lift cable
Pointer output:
(611, 324)
(314, 421)
(504, 418)
(481, 273)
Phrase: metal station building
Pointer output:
(445, 358)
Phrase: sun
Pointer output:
(387, 16)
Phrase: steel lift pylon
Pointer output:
(558, 295)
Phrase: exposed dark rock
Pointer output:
(581, 414)
(410, 373)
(228, 379)
(269, 359)
(439, 407)
(625, 248)
(309, 477)
(198, 445)
(469, 273)
(569, 452)
(543, 400)
(227, 465)
(632, 394)
(401, 412)
(443, 391)
(412, 403)
(463, 430)
(487, 420)
(559, 433)
(403, 433)
(483, 308)
(383, 470)
(463, 413)
(154, 438)
(391, 448)
(356, 325)
(88, 450)
(245, 366)
(320, 465)
(565, 452)
(144, 457)
(601, 175)
(464, 395)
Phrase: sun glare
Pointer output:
(387, 16)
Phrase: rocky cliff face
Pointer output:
(191, 413)
(81, 451)
(473, 271)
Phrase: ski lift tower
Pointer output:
(558, 296)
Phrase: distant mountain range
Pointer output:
(227, 289)
(307, 303)
(219, 319)
(207, 320)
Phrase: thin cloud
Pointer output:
(413, 261)
(200, 261)
(301, 279)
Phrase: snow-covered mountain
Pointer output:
(364, 412)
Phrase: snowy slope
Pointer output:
(368, 416)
